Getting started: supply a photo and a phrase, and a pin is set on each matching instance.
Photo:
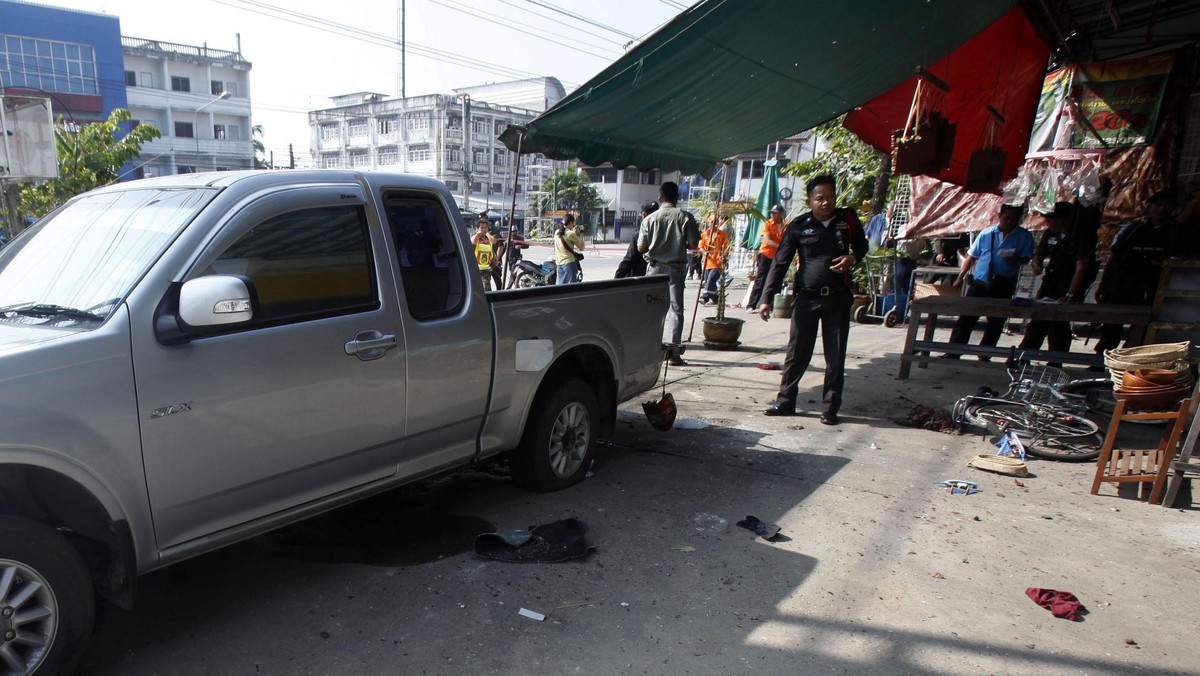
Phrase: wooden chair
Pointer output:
(1140, 465)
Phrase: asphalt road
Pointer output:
(877, 571)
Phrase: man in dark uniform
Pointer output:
(1068, 259)
(828, 241)
(1135, 262)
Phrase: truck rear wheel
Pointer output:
(559, 439)
(47, 603)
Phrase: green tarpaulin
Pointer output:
(727, 76)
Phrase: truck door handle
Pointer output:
(370, 344)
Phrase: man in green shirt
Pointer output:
(665, 236)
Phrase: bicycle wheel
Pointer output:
(1096, 396)
(1061, 435)
(998, 417)
(1046, 432)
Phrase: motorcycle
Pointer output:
(527, 274)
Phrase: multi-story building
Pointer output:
(451, 138)
(198, 97)
(71, 57)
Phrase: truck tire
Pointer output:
(559, 441)
(48, 630)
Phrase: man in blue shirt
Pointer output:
(997, 256)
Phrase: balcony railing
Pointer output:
(176, 48)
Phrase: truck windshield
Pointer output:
(72, 268)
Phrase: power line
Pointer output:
(500, 20)
(381, 40)
(579, 17)
(557, 22)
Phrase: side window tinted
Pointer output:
(431, 271)
(305, 264)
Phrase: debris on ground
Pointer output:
(960, 486)
(999, 464)
(1060, 603)
(533, 615)
(550, 543)
(932, 419)
(766, 531)
(710, 522)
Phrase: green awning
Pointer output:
(727, 76)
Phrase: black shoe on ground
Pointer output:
(829, 419)
(781, 408)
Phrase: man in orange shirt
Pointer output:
(712, 244)
(772, 235)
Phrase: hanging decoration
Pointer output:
(926, 143)
(986, 166)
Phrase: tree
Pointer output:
(260, 151)
(88, 157)
(570, 190)
(855, 165)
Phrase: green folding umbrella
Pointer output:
(768, 196)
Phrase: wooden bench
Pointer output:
(925, 311)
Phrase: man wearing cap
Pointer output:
(1135, 263)
(772, 235)
(1067, 261)
(665, 236)
(827, 241)
(993, 262)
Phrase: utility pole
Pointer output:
(468, 158)
(400, 31)
(291, 158)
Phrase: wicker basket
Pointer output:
(1171, 356)
(1143, 355)
(999, 464)
(1181, 367)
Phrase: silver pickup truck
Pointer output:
(192, 360)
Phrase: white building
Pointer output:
(198, 97)
(451, 138)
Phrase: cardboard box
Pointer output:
(925, 289)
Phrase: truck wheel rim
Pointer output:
(569, 440)
(28, 617)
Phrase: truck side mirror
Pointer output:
(215, 300)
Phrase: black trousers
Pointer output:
(995, 325)
(832, 315)
(1039, 329)
(760, 278)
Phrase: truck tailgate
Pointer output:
(622, 318)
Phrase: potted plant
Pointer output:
(721, 332)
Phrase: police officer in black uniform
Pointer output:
(1070, 258)
(1135, 262)
(828, 242)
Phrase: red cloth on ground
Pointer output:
(1061, 603)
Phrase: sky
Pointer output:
(305, 51)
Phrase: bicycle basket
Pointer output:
(1037, 383)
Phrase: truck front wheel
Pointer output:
(559, 439)
(47, 603)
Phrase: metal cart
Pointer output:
(881, 287)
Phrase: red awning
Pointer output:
(1002, 67)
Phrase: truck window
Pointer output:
(305, 264)
(431, 271)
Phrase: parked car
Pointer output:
(192, 360)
